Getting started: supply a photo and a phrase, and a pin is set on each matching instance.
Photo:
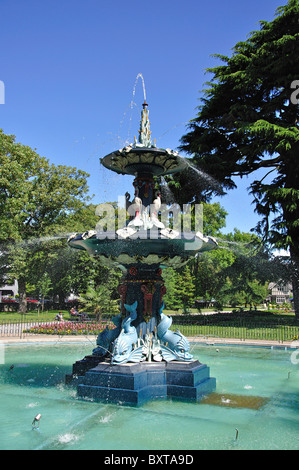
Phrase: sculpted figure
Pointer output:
(175, 346)
(125, 349)
(107, 337)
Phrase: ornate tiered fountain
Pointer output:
(141, 358)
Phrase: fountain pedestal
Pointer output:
(134, 384)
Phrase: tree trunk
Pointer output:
(295, 279)
(22, 295)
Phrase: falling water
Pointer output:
(240, 244)
(208, 180)
(143, 86)
(166, 193)
(232, 246)
(185, 123)
(132, 104)
(35, 241)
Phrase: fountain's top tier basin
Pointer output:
(165, 252)
(140, 160)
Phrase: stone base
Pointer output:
(135, 384)
(81, 367)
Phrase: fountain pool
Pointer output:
(255, 406)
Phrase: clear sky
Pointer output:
(70, 66)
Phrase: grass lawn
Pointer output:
(33, 316)
(263, 325)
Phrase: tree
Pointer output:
(180, 289)
(185, 285)
(185, 289)
(237, 271)
(36, 198)
(211, 278)
(44, 286)
(97, 300)
(248, 124)
(170, 299)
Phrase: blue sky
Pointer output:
(69, 69)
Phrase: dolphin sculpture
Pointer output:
(125, 349)
(107, 337)
(174, 345)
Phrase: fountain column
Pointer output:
(144, 284)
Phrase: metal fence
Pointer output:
(242, 329)
(12, 328)
(9, 329)
(238, 328)
(24, 329)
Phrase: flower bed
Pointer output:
(70, 328)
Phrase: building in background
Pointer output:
(280, 293)
(9, 290)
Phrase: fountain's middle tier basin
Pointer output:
(167, 252)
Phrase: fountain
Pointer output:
(141, 358)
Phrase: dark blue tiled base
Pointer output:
(134, 384)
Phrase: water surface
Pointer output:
(257, 393)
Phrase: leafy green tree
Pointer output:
(207, 267)
(98, 300)
(249, 273)
(248, 124)
(44, 286)
(210, 275)
(180, 288)
(186, 289)
(70, 270)
(35, 199)
(171, 298)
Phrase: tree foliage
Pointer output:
(36, 200)
(247, 122)
(98, 300)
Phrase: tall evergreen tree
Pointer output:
(248, 124)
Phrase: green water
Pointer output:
(36, 385)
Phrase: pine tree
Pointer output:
(248, 121)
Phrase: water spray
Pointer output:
(35, 422)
